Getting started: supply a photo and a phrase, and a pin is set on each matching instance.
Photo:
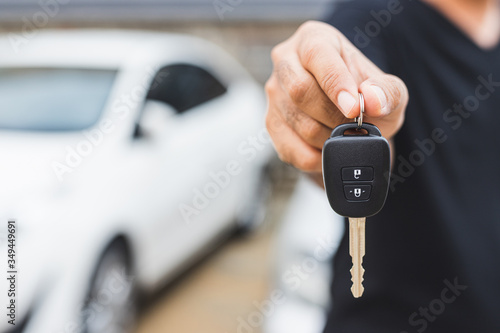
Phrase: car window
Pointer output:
(53, 99)
(185, 86)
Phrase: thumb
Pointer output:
(384, 94)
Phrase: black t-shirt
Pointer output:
(433, 253)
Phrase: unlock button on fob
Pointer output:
(357, 192)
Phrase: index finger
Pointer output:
(320, 54)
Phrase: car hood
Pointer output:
(26, 169)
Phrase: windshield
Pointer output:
(52, 99)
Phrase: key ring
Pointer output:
(359, 119)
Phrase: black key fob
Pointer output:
(356, 170)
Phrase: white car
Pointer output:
(125, 155)
(309, 238)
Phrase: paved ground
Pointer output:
(223, 287)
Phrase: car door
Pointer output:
(187, 139)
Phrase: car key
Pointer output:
(356, 170)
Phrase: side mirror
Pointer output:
(154, 121)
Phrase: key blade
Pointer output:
(357, 252)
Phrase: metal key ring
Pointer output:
(359, 119)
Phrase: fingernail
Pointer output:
(381, 98)
(346, 102)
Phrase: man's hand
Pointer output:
(314, 87)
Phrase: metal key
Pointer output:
(356, 173)
(357, 252)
